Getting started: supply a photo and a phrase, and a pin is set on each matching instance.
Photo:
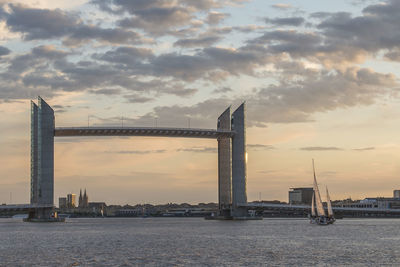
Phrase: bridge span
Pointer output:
(142, 131)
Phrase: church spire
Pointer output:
(85, 200)
(80, 199)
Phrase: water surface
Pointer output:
(199, 242)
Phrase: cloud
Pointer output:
(139, 152)
(393, 55)
(296, 43)
(4, 51)
(259, 147)
(364, 149)
(106, 91)
(320, 92)
(215, 18)
(199, 65)
(134, 98)
(60, 108)
(339, 39)
(163, 17)
(40, 23)
(156, 20)
(46, 70)
(197, 42)
(125, 55)
(222, 90)
(320, 148)
(251, 28)
(293, 21)
(199, 149)
(202, 115)
(37, 24)
(282, 6)
(372, 31)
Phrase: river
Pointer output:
(199, 242)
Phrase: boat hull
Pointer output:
(322, 220)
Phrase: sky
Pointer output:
(320, 80)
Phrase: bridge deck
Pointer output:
(141, 131)
(25, 206)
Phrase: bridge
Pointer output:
(230, 135)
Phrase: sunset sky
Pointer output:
(320, 80)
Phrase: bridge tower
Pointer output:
(42, 153)
(239, 162)
(224, 165)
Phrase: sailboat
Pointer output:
(331, 217)
(319, 216)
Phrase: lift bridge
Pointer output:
(232, 174)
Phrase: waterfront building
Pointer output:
(62, 202)
(300, 195)
(378, 202)
(396, 193)
(71, 201)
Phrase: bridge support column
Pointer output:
(224, 165)
(239, 162)
(42, 162)
(42, 156)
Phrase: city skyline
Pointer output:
(320, 81)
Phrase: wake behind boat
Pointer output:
(318, 215)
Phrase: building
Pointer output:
(396, 193)
(71, 203)
(62, 202)
(301, 195)
(83, 200)
(377, 203)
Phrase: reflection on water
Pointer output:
(195, 241)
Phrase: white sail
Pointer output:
(328, 200)
(320, 207)
(313, 205)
